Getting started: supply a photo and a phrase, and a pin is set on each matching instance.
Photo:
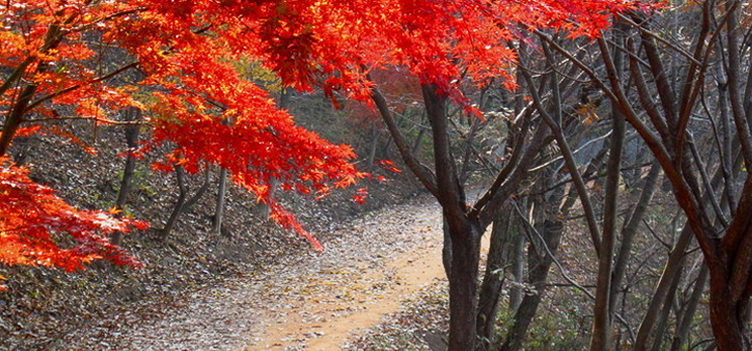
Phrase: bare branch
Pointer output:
(424, 174)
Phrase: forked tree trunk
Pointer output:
(183, 202)
(465, 224)
(464, 231)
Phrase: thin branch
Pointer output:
(424, 174)
(78, 118)
(563, 273)
(122, 69)
(519, 142)
(710, 194)
(575, 152)
(655, 235)
(569, 158)
(657, 37)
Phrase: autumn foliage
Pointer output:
(176, 60)
(33, 236)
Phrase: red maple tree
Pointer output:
(186, 54)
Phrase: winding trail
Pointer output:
(351, 300)
(314, 302)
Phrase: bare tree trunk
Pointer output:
(493, 279)
(671, 269)
(132, 132)
(219, 208)
(600, 339)
(630, 230)
(685, 321)
(178, 209)
(544, 242)
(540, 261)
(183, 202)
(518, 270)
(662, 323)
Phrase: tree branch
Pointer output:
(424, 174)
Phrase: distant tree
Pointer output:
(689, 82)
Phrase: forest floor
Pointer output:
(313, 301)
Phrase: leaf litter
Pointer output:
(303, 302)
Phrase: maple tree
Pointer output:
(200, 103)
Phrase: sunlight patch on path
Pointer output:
(334, 304)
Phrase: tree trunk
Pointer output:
(602, 313)
(219, 208)
(685, 322)
(540, 264)
(728, 317)
(629, 230)
(464, 231)
(493, 280)
(662, 323)
(463, 282)
(518, 270)
(464, 223)
(183, 201)
(446, 250)
(178, 209)
(673, 267)
(372, 148)
(263, 209)
(132, 132)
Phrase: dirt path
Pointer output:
(315, 302)
(350, 300)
